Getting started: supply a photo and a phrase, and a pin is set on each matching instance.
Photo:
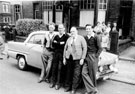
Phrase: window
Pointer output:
(47, 5)
(17, 8)
(59, 7)
(6, 8)
(87, 4)
(6, 19)
(103, 4)
(36, 39)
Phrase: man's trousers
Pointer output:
(47, 58)
(73, 74)
(89, 72)
(57, 65)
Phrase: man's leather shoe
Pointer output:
(73, 92)
(57, 87)
(40, 80)
(67, 89)
(87, 92)
(51, 85)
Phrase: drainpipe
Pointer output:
(54, 12)
(96, 12)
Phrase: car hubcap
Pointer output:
(21, 63)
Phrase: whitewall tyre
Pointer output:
(22, 65)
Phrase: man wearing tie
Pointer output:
(74, 55)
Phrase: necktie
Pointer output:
(73, 45)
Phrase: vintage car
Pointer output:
(29, 53)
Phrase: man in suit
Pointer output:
(47, 55)
(57, 64)
(74, 55)
(91, 62)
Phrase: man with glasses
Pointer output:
(74, 55)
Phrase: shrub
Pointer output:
(26, 26)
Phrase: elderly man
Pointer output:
(90, 66)
(47, 55)
(74, 55)
(57, 64)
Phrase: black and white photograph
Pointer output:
(67, 46)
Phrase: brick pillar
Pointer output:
(132, 31)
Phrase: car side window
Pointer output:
(36, 39)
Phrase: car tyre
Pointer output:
(22, 65)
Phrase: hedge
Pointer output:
(26, 26)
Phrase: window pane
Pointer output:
(39, 39)
(81, 3)
(89, 6)
(104, 7)
(31, 40)
(101, 1)
(100, 6)
(92, 6)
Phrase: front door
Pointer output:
(125, 17)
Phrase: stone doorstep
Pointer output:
(122, 79)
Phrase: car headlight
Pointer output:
(111, 67)
(116, 60)
(97, 75)
(101, 68)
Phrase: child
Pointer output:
(105, 40)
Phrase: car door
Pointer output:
(35, 50)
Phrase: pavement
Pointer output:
(126, 67)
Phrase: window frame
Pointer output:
(102, 3)
(88, 3)
(34, 38)
(6, 7)
(6, 19)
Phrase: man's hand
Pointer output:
(64, 61)
(81, 61)
(62, 42)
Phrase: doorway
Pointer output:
(124, 21)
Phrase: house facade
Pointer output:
(80, 12)
(5, 12)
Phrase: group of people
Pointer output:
(68, 58)
(10, 32)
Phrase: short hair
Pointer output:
(73, 28)
(61, 25)
(88, 25)
(51, 23)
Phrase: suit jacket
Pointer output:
(80, 48)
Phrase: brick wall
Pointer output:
(27, 9)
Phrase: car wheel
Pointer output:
(22, 63)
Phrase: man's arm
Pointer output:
(99, 48)
(84, 47)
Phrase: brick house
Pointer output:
(80, 12)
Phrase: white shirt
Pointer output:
(92, 35)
